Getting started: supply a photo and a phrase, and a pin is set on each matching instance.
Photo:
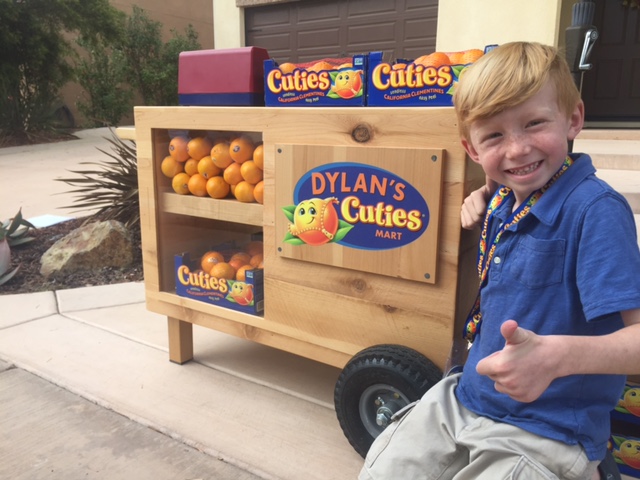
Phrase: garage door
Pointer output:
(313, 29)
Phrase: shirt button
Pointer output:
(497, 260)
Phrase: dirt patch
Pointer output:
(28, 278)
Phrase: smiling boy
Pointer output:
(556, 324)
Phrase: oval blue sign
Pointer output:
(355, 205)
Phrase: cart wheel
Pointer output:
(375, 384)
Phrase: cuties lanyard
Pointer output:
(474, 320)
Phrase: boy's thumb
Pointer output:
(512, 333)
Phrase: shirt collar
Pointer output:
(550, 204)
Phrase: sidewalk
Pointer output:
(97, 442)
(28, 174)
(94, 394)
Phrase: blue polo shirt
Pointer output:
(567, 268)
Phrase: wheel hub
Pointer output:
(377, 405)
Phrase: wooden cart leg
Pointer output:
(180, 341)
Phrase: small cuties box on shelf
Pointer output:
(227, 276)
(338, 82)
(232, 76)
(625, 431)
(427, 81)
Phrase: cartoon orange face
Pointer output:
(242, 293)
(632, 401)
(629, 453)
(315, 221)
(347, 83)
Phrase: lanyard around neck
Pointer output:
(487, 247)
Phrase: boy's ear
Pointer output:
(576, 121)
(468, 146)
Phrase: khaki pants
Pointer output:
(440, 439)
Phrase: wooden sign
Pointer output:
(373, 209)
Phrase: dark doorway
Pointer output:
(611, 90)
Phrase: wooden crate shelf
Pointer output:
(314, 306)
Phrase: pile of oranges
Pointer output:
(233, 265)
(438, 59)
(318, 65)
(221, 168)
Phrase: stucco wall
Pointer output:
(464, 24)
(229, 24)
(177, 15)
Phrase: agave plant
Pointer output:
(12, 232)
(112, 187)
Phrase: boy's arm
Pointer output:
(474, 206)
(554, 356)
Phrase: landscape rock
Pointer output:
(90, 247)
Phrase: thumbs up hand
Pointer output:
(518, 370)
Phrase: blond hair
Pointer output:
(508, 76)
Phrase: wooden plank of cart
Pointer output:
(383, 298)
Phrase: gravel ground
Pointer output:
(28, 278)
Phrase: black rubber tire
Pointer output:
(395, 374)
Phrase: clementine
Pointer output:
(258, 192)
(255, 247)
(209, 259)
(435, 59)
(178, 148)
(241, 275)
(250, 172)
(237, 263)
(222, 270)
(198, 147)
(180, 182)
(243, 257)
(470, 56)
(256, 260)
(287, 67)
(319, 66)
(258, 156)
(197, 185)
(170, 167)
(207, 168)
(244, 192)
(220, 155)
(217, 188)
(456, 58)
(191, 166)
(232, 174)
(241, 149)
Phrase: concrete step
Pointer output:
(616, 155)
(611, 149)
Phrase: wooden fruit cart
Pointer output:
(386, 314)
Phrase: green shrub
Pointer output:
(102, 75)
(35, 59)
(153, 65)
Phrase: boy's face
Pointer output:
(524, 146)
